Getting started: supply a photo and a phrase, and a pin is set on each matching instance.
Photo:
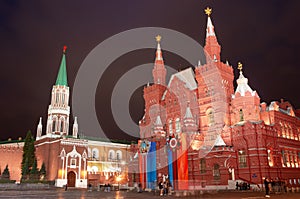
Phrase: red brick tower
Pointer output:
(215, 84)
(153, 94)
(65, 157)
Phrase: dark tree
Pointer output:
(34, 172)
(6, 174)
(25, 170)
(28, 155)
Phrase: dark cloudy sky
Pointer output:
(264, 35)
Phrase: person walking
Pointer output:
(266, 183)
(161, 187)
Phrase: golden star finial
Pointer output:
(240, 66)
(158, 38)
(208, 11)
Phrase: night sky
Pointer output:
(264, 35)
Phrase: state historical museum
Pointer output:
(202, 133)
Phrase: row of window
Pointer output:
(290, 158)
(215, 171)
(210, 121)
(177, 126)
(58, 126)
(60, 98)
(112, 155)
(286, 131)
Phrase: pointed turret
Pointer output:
(189, 124)
(188, 112)
(158, 127)
(245, 102)
(75, 128)
(219, 141)
(59, 109)
(62, 73)
(159, 70)
(212, 47)
(242, 83)
(188, 119)
(39, 129)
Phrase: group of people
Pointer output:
(274, 186)
(242, 186)
(107, 187)
(164, 187)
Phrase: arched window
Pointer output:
(95, 153)
(111, 154)
(270, 158)
(62, 124)
(210, 117)
(177, 125)
(54, 125)
(94, 169)
(216, 172)
(241, 115)
(63, 99)
(119, 155)
(286, 131)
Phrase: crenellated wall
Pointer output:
(11, 155)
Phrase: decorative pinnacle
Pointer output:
(158, 38)
(240, 66)
(64, 49)
(208, 11)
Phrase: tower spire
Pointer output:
(62, 73)
(59, 109)
(158, 58)
(212, 47)
(159, 70)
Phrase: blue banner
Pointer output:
(170, 165)
(151, 166)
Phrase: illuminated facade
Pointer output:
(69, 160)
(202, 133)
(108, 162)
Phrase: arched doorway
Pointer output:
(71, 179)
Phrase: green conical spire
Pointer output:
(62, 73)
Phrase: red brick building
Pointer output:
(202, 133)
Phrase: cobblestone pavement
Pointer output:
(83, 194)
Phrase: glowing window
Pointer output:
(242, 159)
(177, 125)
(170, 127)
(241, 115)
(210, 117)
(270, 158)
